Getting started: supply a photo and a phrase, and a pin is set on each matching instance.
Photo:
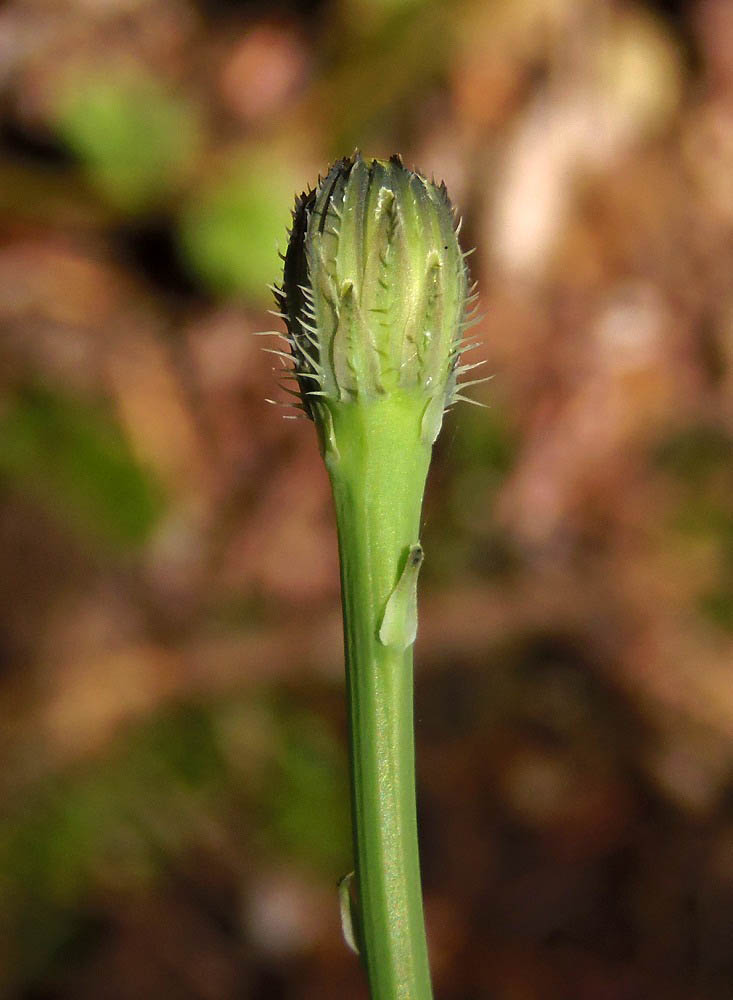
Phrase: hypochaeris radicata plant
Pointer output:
(377, 301)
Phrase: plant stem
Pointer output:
(378, 477)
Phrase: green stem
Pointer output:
(378, 465)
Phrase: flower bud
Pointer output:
(375, 289)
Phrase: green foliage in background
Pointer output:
(120, 820)
(482, 448)
(135, 139)
(103, 823)
(305, 798)
(700, 459)
(73, 459)
(231, 231)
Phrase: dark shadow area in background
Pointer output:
(224, 8)
(21, 145)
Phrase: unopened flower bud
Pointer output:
(375, 290)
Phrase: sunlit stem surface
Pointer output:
(378, 464)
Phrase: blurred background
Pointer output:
(173, 798)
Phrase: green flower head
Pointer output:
(376, 288)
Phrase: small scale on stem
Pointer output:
(377, 302)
